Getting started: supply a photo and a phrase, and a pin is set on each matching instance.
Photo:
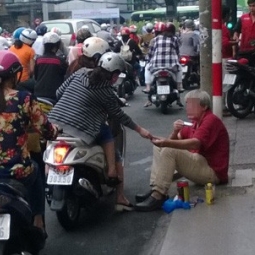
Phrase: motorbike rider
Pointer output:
(23, 40)
(85, 105)
(92, 50)
(146, 38)
(19, 111)
(50, 69)
(106, 35)
(190, 41)
(3, 43)
(164, 52)
(76, 51)
(133, 47)
(38, 47)
(63, 50)
(133, 34)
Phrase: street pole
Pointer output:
(205, 46)
(217, 57)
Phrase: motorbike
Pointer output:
(239, 86)
(127, 83)
(163, 90)
(190, 72)
(17, 234)
(77, 175)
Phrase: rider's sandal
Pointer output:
(113, 181)
(147, 104)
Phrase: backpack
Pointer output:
(125, 51)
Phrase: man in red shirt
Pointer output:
(199, 152)
(246, 27)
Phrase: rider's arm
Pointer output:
(38, 119)
(60, 91)
(237, 30)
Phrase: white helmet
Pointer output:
(112, 62)
(56, 30)
(149, 26)
(3, 43)
(103, 26)
(51, 37)
(28, 36)
(94, 47)
(85, 27)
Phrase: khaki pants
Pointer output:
(193, 166)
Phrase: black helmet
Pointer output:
(41, 29)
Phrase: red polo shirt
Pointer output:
(214, 140)
(248, 33)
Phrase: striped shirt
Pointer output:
(82, 108)
(163, 52)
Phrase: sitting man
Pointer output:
(199, 152)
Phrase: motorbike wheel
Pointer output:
(163, 107)
(68, 217)
(121, 90)
(239, 103)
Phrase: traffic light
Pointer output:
(232, 4)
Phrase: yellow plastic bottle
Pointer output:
(209, 193)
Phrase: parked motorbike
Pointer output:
(77, 176)
(127, 82)
(17, 234)
(190, 72)
(163, 92)
(239, 86)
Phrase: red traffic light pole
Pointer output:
(217, 57)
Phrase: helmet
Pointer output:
(41, 29)
(28, 36)
(51, 37)
(17, 32)
(56, 30)
(133, 28)
(125, 31)
(3, 43)
(9, 64)
(112, 62)
(149, 26)
(94, 46)
(170, 27)
(85, 26)
(83, 34)
(189, 23)
(103, 26)
(159, 27)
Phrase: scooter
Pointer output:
(17, 234)
(190, 72)
(163, 92)
(77, 175)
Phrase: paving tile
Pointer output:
(243, 178)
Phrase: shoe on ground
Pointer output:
(226, 113)
(124, 208)
(141, 197)
(145, 91)
(147, 104)
(180, 104)
(150, 204)
(181, 90)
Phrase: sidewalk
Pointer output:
(227, 227)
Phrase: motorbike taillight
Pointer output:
(60, 152)
(163, 74)
(184, 60)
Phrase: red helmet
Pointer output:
(125, 31)
(170, 27)
(9, 64)
(159, 27)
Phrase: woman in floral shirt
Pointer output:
(18, 112)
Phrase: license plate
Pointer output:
(122, 75)
(185, 69)
(229, 79)
(5, 222)
(59, 178)
(163, 90)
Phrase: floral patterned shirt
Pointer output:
(21, 113)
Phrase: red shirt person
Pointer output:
(199, 152)
(246, 27)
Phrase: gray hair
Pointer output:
(202, 95)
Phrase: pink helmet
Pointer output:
(9, 64)
(159, 27)
(125, 31)
(133, 28)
